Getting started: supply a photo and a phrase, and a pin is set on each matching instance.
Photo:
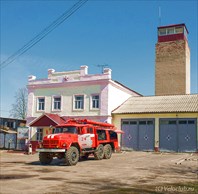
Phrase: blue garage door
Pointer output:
(178, 135)
(187, 135)
(146, 135)
(138, 134)
(129, 138)
(168, 135)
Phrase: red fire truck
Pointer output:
(78, 139)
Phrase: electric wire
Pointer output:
(43, 33)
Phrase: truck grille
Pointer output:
(50, 143)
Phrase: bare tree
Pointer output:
(19, 108)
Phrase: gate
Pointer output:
(187, 135)
(178, 135)
(168, 135)
(138, 134)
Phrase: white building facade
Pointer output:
(75, 94)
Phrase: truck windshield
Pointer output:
(65, 130)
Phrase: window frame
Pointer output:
(175, 30)
(37, 104)
(92, 103)
(39, 134)
(53, 101)
(83, 102)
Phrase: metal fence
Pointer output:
(10, 141)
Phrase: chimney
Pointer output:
(83, 70)
(107, 71)
(31, 77)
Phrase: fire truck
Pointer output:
(78, 139)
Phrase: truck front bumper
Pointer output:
(49, 150)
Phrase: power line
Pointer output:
(43, 33)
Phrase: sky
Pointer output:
(119, 33)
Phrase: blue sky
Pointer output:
(121, 34)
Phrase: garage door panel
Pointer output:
(146, 136)
(168, 136)
(187, 136)
(125, 141)
(130, 136)
(138, 134)
(178, 135)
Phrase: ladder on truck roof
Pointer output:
(86, 121)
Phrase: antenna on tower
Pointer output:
(102, 67)
(160, 18)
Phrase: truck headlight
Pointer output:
(64, 145)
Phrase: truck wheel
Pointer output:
(72, 156)
(45, 158)
(99, 154)
(107, 151)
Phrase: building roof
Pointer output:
(47, 119)
(159, 104)
(127, 88)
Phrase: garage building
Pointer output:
(160, 123)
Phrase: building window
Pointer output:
(162, 32)
(178, 30)
(79, 102)
(174, 30)
(39, 134)
(95, 101)
(10, 124)
(170, 31)
(57, 103)
(41, 104)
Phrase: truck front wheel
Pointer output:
(45, 158)
(72, 156)
(99, 154)
(107, 151)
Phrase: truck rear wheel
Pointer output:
(45, 158)
(72, 156)
(107, 151)
(99, 154)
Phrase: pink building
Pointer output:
(73, 94)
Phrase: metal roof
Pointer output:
(47, 119)
(159, 104)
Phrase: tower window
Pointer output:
(162, 32)
(170, 31)
(178, 30)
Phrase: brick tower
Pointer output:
(172, 63)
